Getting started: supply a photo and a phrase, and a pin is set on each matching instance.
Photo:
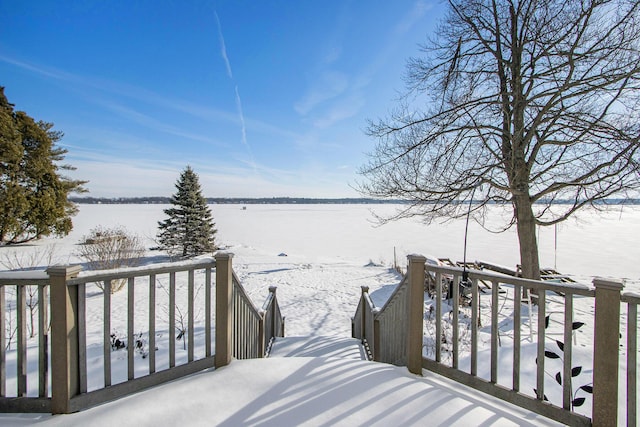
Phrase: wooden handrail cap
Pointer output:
(608, 284)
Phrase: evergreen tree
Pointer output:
(33, 193)
(189, 230)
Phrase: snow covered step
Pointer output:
(315, 346)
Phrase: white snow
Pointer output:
(332, 250)
(300, 391)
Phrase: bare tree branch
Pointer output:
(537, 100)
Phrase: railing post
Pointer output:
(376, 340)
(262, 335)
(65, 381)
(415, 314)
(363, 317)
(224, 308)
(272, 290)
(605, 349)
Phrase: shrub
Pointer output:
(109, 248)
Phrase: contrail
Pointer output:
(223, 52)
(223, 47)
(244, 129)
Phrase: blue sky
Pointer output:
(261, 98)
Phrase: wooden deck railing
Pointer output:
(247, 323)
(13, 327)
(152, 319)
(254, 328)
(273, 321)
(450, 319)
(370, 323)
(632, 300)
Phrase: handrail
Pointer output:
(383, 330)
(74, 385)
(273, 321)
(452, 316)
(29, 277)
(393, 296)
(574, 288)
(253, 328)
(391, 341)
(247, 333)
(564, 412)
(145, 270)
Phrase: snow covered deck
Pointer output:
(337, 388)
(318, 346)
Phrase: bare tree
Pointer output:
(527, 103)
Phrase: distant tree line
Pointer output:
(160, 200)
(231, 200)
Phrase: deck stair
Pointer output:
(318, 346)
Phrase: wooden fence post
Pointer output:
(363, 319)
(376, 339)
(65, 382)
(272, 290)
(606, 352)
(224, 308)
(415, 313)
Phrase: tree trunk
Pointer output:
(526, 226)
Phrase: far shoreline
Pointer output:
(162, 200)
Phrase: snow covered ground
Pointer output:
(595, 244)
(300, 391)
(319, 256)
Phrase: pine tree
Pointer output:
(189, 230)
(33, 192)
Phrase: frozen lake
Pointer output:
(596, 244)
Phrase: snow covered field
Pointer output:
(319, 256)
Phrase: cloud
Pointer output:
(334, 96)
(342, 110)
(46, 72)
(80, 83)
(334, 53)
(112, 176)
(158, 125)
(101, 92)
(419, 10)
(329, 85)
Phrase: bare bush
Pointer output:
(109, 248)
(39, 258)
